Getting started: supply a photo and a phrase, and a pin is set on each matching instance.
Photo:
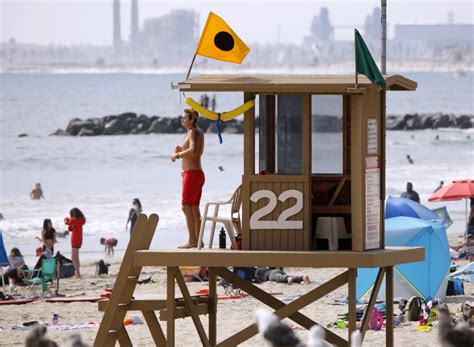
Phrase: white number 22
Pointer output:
(282, 222)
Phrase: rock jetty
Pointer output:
(131, 123)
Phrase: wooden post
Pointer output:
(170, 306)
(351, 279)
(212, 307)
(389, 300)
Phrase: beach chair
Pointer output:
(46, 274)
(230, 222)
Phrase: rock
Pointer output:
(115, 127)
(85, 132)
(60, 132)
(443, 121)
(77, 124)
(413, 124)
(464, 122)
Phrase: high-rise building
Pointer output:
(117, 38)
(134, 24)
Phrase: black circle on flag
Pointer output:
(224, 41)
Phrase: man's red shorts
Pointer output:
(193, 180)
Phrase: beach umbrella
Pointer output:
(396, 207)
(464, 273)
(426, 279)
(457, 190)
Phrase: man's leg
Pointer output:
(188, 214)
(197, 221)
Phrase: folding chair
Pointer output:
(46, 273)
(230, 222)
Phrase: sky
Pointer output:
(79, 22)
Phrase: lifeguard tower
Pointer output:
(282, 204)
(285, 194)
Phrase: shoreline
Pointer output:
(343, 68)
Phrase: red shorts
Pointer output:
(193, 180)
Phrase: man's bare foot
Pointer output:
(306, 279)
(187, 246)
(290, 280)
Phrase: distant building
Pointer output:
(170, 39)
(321, 28)
(134, 24)
(449, 42)
(372, 27)
(117, 35)
(435, 34)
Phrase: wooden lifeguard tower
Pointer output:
(283, 198)
(280, 208)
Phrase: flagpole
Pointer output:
(355, 60)
(191, 66)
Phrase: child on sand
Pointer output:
(109, 244)
(75, 224)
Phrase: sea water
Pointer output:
(101, 175)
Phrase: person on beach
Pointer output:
(48, 236)
(133, 214)
(192, 176)
(109, 244)
(470, 221)
(264, 274)
(12, 276)
(410, 193)
(439, 187)
(75, 223)
(37, 192)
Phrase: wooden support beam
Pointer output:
(283, 310)
(351, 279)
(183, 312)
(170, 305)
(155, 328)
(337, 191)
(125, 283)
(389, 300)
(373, 299)
(191, 308)
(123, 338)
(212, 307)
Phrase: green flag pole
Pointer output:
(355, 60)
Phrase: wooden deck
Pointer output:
(389, 256)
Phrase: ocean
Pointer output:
(101, 175)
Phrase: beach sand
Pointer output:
(232, 315)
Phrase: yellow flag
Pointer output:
(218, 41)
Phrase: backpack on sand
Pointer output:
(414, 308)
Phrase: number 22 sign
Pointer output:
(282, 222)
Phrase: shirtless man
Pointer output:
(193, 176)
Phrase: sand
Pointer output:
(233, 315)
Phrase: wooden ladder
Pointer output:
(111, 328)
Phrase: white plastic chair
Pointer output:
(229, 222)
(333, 229)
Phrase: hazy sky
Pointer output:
(90, 22)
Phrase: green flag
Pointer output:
(365, 64)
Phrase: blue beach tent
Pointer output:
(3, 258)
(426, 279)
(396, 207)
